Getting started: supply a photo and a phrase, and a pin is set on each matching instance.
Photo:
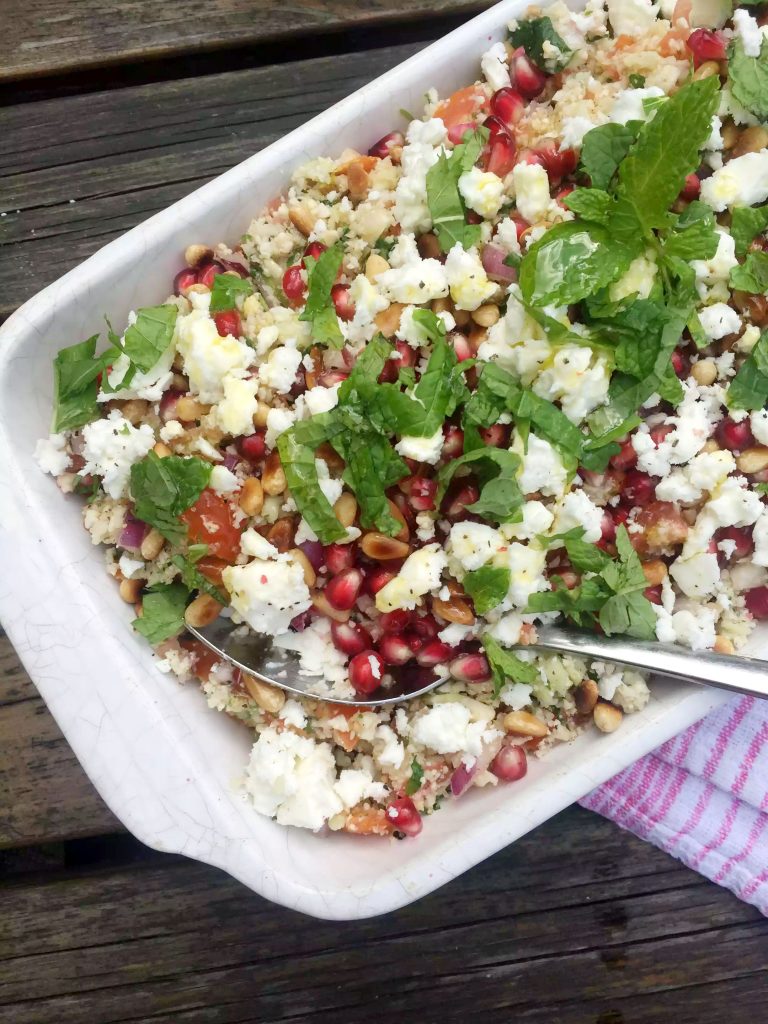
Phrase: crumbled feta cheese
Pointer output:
(704, 472)
(609, 678)
(392, 751)
(632, 694)
(470, 545)
(731, 504)
(713, 271)
(356, 784)
(292, 713)
(111, 446)
(531, 187)
(50, 454)
(577, 379)
(494, 66)
(697, 576)
(130, 567)
(542, 469)
(758, 421)
(693, 627)
(631, 17)
(278, 421)
(743, 181)
(638, 280)
(526, 567)
(208, 358)
(149, 384)
(422, 449)
(418, 155)
(416, 282)
(573, 130)
(234, 412)
(415, 334)
(516, 696)
(318, 656)
(748, 31)
(320, 399)
(252, 543)
(536, 519)
(576, 509)
(268, 594)
(628, 105)
(467, 279)
(516, 341)
(171, 430)
(760, 538)
(696, 416)
(420, 573)
(483, 191)
(368, 302)
(718, 320)
(223, 480)
(279, 371)
(448, 728)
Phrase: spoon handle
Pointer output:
(740, 675)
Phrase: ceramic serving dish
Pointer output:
(166, 765)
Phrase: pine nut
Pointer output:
(523, 723)
(750, 140)
(345, 508)
(130, 590)
(197, 289)
(441, 305)
(711, 446)
(476, 337)
(388, 320)
(202, 611)
(179, 382)
(251, 499)
(194, 255)
(269, 698)
(282, 533)
(161, 450)
(405, 533)
(752, 460)
(461, 316)
(310, 576)
(486, 316)
(374, 266)
(189, 409)
(730, 134)
(753, 306)
(607, 716)
(723, 645)
(301, 218)
(429, 247)
(706, 70)
(260, 416)
(655, 572)
(586, 696)
(152, 545)
(704, 372)
(321, 603)
(453, 610)
(134, 410)
(357, 181)
(381, 548)
(273, 476)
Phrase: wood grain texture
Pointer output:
(48, 37)
(76, 172)
(577, 922)
(44, 793)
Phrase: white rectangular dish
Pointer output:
(166, 765)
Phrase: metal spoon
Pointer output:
(256, 654)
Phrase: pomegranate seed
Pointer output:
(453, 446)
(461, 778)
(252, 447)
(183, 280)
(496, 436)
(691, 188)
(407, 355)
(456, 504)
(342, 590)
(389, 374)
(377, 578)
(366, 671)
(402, 813)
(529, 80)
(608, 527)
(382, 148)
(414, 641)
(315, 553)
(300, 622)
(756, 600)
(328, 378)
(741, 537)
(705, 45)
(457, 131)
(339, 557)
(395, 622)
(394, 650)
(735, 436)
(434, 653)
(345, 307)
(626, 458)
(559, 163)
(208, 271)
(680, 364)
(639, 489)
(422, 493)
(496, 126)
(500, 155)
(294, 285)
(471, 668)
(461, 346)
(315, 250)
(510, 764)
(507, 104)
(653, 594)
(168, 405)
(229, 322)
(564, 192)
(659, 433)
(350, 638)
(425, 626)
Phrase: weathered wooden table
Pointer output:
(111, 111)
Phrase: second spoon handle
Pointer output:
(740, 675)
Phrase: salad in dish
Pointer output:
(508, 365)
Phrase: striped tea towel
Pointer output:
(703, 797)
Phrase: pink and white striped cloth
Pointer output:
(703, 797)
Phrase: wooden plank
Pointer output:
(577, 922)
(44, 793)
(78, 171)
(50, 38)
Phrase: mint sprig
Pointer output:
(319, 310)
(487, 586)
(162, 489)
(162, 612)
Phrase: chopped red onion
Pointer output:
(461, 778)
(133, 533)
(493, 263)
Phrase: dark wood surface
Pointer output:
(578, 923)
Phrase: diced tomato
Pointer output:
(204, 657)
(463, 105)
(209, 521)
(212, 569)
